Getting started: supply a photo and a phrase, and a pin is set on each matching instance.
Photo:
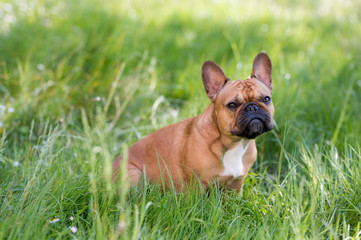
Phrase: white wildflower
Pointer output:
(16, 163)
(174, 113)
(97, 149)
(239, 65)
(40, 67)
(54, 220)
(73, 229)
(8, 7)
(9, 18)
(121, 226)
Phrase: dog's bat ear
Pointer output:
(262, 69)
(213, 78)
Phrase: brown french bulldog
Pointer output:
(217, 145)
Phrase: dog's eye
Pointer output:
(266, 99)
(232, 105)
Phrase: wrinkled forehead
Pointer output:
(245, 90)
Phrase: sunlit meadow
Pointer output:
(80, 81)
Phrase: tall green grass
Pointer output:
(81, 81)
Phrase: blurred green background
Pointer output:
(60, 56)
(134, 66)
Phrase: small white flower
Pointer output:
(121, 226)
(54, 220)
(97, 149)
(98, 98)
(287, 76)
(8, 7)
(11, 110)
(73, 229)
(71, 218)
(16, 163)
(23, 6)
(174, 113)
(9, 18)
(40, 67)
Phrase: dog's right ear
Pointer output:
(213, 78)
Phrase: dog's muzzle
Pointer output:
(252, 121)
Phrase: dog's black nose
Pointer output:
(252, 108)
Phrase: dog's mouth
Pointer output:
(252, 125)
(255, 128)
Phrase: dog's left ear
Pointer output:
(262, 69)
(213, 78)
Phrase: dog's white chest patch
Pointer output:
(232, 160)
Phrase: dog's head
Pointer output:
(242, 108)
